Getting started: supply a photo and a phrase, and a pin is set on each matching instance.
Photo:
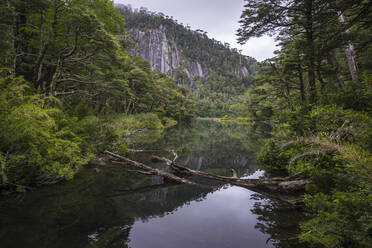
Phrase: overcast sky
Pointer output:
(217, 17)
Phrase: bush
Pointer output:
(358, 126)
(341, 219)
(272, 156)
(34, 148)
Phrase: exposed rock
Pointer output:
(165, 56)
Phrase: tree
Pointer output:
(305, 18)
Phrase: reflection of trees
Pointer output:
(98, 210)
(210, 145)
(94, 210)
(279, 221)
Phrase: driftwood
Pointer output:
(286, 184)
(292, 183)
(147, 170)
(278, 186)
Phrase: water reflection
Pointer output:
(117, 208)
(222, 219)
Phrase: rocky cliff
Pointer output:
(178, 51)
(165, 56)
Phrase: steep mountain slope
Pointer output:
(178, 51)
(216, 73)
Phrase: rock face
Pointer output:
(165, 56)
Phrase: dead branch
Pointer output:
(149, 170)
(311, 153)
(340, 132)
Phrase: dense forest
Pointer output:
(70, 89)
(317, 92)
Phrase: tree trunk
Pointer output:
(20, 21)
(350, 52)
(310, 51)
(301, 80)
(288, 184)
(320, 78)
(333, 62)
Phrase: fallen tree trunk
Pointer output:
(288, 184)
(147, 170)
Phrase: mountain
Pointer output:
(177, 50)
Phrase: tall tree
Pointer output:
(306, 18)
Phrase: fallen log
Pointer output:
(147, 170)
(288, 184)
(280, 187)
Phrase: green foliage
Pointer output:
(122, 125)
(121, 149)
(357, 128)
(83, 88)
(34, 148)
(219, 95)
(272, 156)
(195, 45)
(168, 122)
(342, 219)
(150, 121)
(336, 154)
(229, 72)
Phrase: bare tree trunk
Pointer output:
(43, 49)
(288, 184)
(284, 82)
(350, 52)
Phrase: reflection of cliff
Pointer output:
(202, 159)
(215, 146)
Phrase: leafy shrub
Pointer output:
(34, 148)
(341, 219)
(272, 156)
(358, 126)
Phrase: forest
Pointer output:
(70, 91)
(317, 92)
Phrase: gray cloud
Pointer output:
(217, 17)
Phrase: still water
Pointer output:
(118, 208)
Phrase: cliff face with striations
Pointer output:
(165, 56)
(179, 51)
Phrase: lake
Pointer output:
(115, 207)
